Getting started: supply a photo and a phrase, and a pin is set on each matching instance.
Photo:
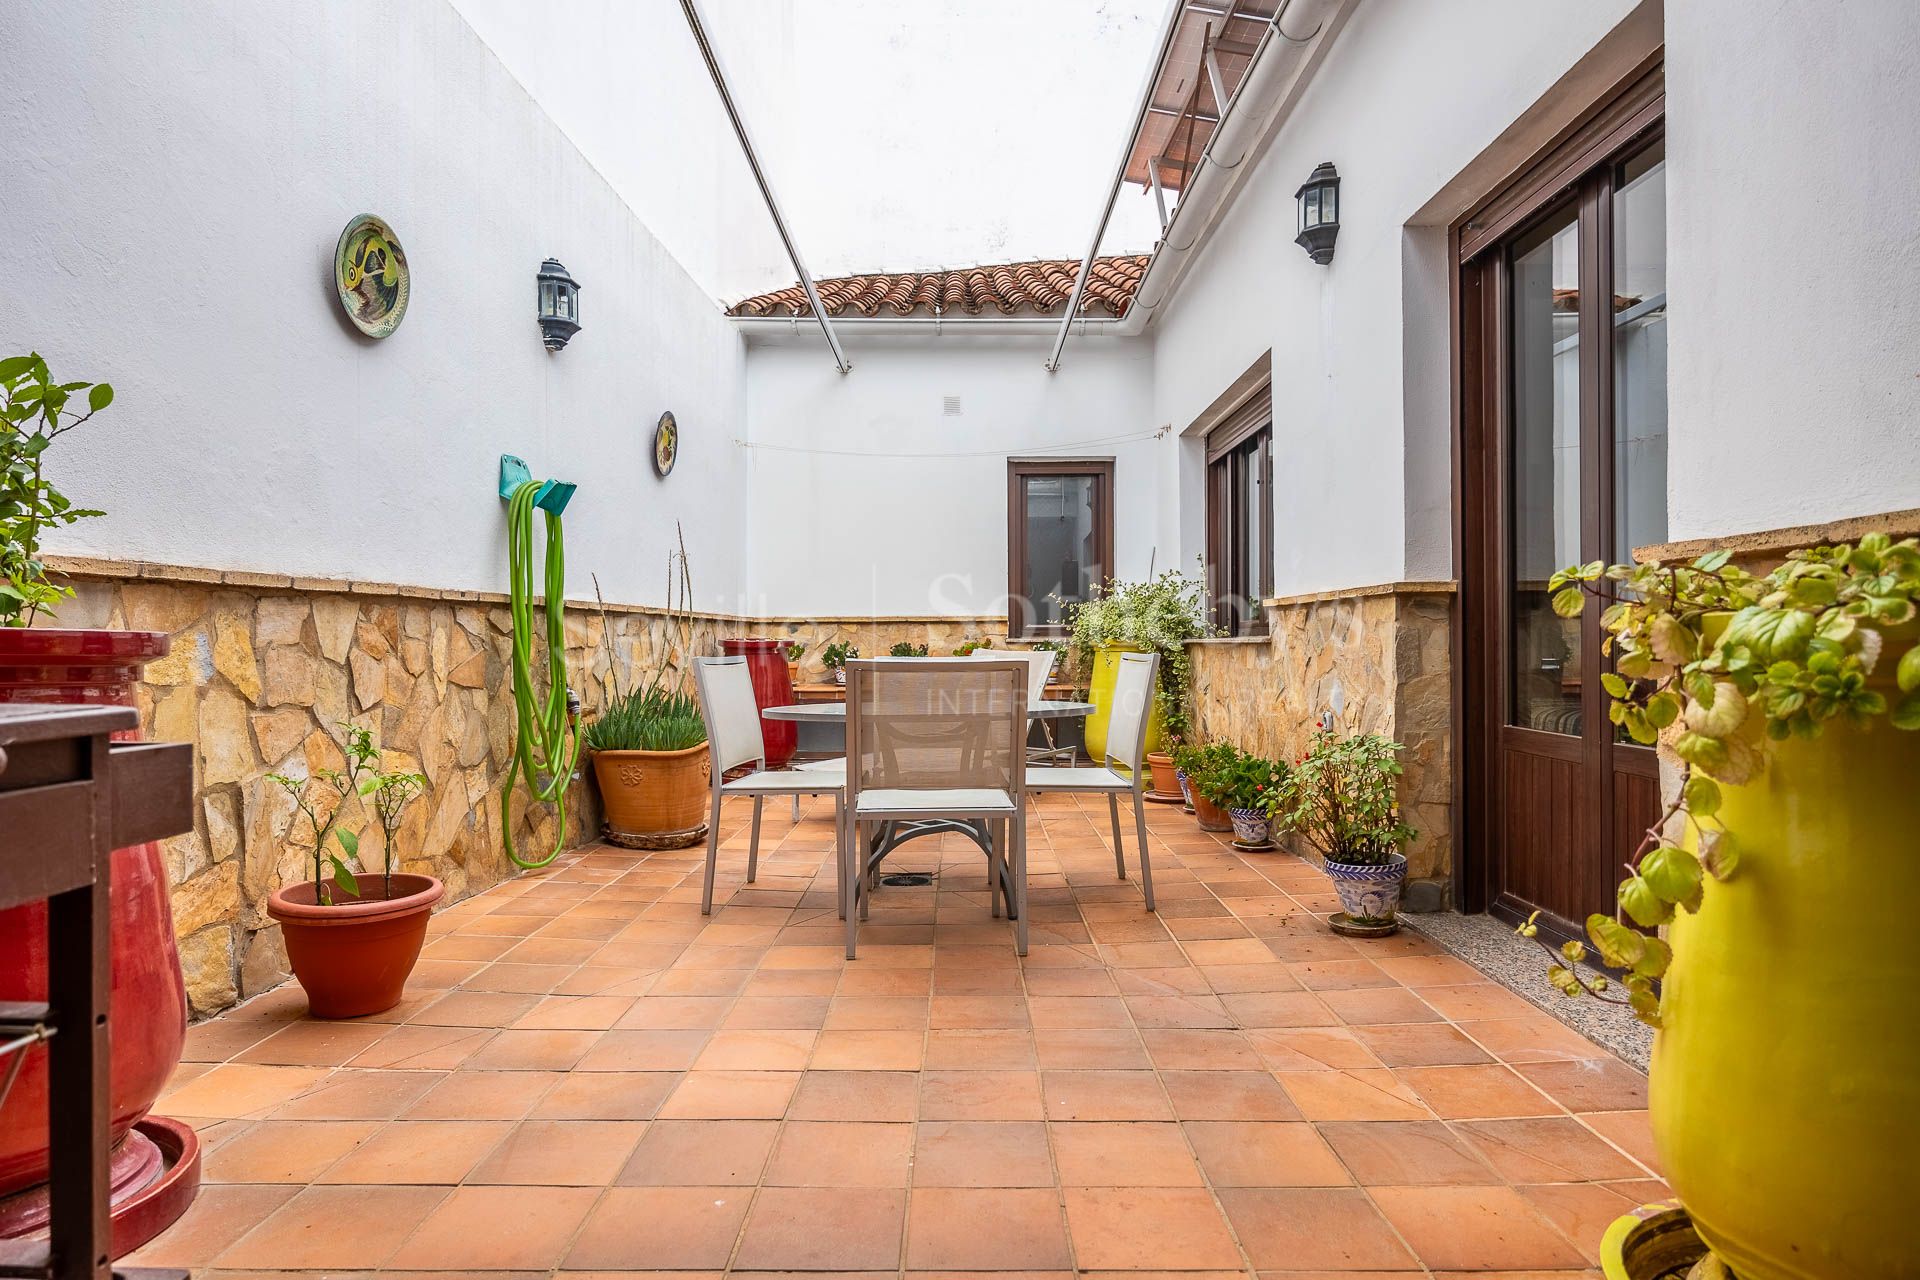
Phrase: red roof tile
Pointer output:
(1013, 288)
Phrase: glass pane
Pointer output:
(1545, 654)
(1060, 550)
(1640, 353)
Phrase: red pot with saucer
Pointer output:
(155, 1161)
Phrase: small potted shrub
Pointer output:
(1245, 787)
(795, 652)
(907, 649)
(1758, 925)
(967, 648)
(1186, 759)
(1207, 781)
(651, 760)
(1342, 799)
(352, 938)
(835, 657)
(1156, 616)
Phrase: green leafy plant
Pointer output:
(837, 654)
(1717, 662)
(1247, 782)
(391, 794)
(34, 412)
(651, 719)
(1159, 615)
(906, 649)
(796, 650)
(967, 648)
(1189, 758)
(1212, 770)
(322, 799)
(1342, 797)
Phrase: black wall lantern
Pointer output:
(559, 304)
(1319, 201)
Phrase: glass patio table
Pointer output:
(889, 836)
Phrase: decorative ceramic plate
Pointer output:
(666, 444)
(370, 273)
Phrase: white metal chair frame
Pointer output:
(1040, 664)
(734, 738)
(1133, 694)
(1003, 815)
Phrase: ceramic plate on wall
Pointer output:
(370, 273)
(666, 445)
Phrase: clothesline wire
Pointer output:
(958, 453)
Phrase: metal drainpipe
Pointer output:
(766, 192)
(1119, 178)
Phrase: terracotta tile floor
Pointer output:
(589, 1078)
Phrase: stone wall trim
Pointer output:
(1440, 587)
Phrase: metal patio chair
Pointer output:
(1040, 664)
(1118, 775)
(734, 738)
(937, 745)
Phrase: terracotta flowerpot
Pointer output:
(655, 799)
(50, 665)
(793, 673)
(353, 957)
(1166, 782)
(772, 687)
(1210, 815)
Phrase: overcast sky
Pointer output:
(899, 134)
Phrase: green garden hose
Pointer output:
(546, 734)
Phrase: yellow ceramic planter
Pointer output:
(1106, 669)
(1786, 1082)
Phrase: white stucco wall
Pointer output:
(1360, 372)
(174, 191)
(867, 497)
(1793, 143)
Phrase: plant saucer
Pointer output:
(1348, 927)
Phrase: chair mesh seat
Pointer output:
(981, 800)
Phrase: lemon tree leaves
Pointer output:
(34, 412)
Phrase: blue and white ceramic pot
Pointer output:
(1252, 829)
(1369, 892)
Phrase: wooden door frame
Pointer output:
(1019, 625)
(1629, 114)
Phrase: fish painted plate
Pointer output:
(371, 276)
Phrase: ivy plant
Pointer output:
(1342, 797)
(1159, 615)
(34, 412)
(1716, 663)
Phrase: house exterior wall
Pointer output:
(1794, 238)
(867, 497)
(172, 222)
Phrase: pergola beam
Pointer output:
(691, 9)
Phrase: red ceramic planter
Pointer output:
(149, 1000)
(353, 957)
(772, 687)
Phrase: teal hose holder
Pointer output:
(546, 727)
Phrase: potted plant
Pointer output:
(352, 939)
(795, 652)
(651, 760)
(1206, 779)
(907, 649)
(834, 657)
(1244, 786)
(1156, 616)
(1186, 758)
(967, 648)
(1342, 799)
(1784, 1101)
(72, 665)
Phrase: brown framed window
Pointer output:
(1059, 538)
(1240, 516)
